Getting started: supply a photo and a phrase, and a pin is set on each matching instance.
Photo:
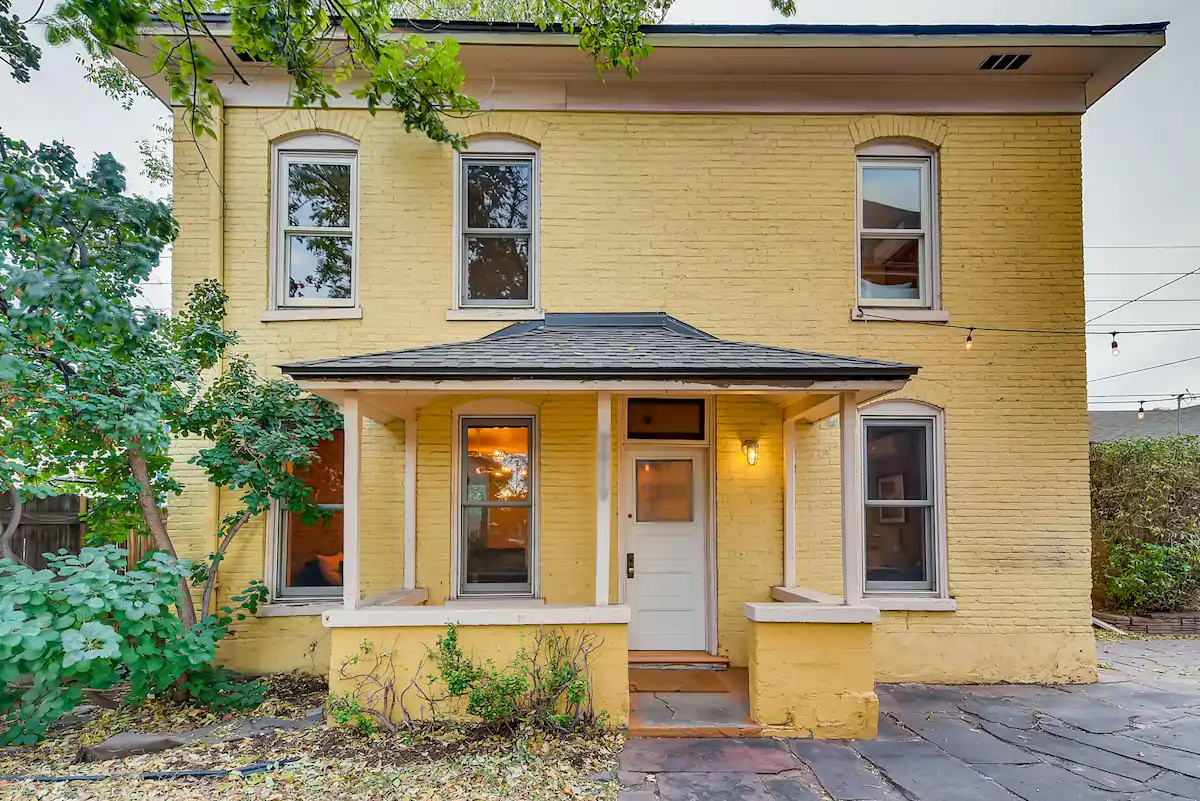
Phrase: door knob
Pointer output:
(629, 565)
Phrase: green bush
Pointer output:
(84, 622)
(1145, 577)
(545, 686)
(1146, 524)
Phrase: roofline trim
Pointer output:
(778, 35)
(866, 373)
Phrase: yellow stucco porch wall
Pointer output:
(742, 226)
(400, 653)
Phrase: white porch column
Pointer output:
(351, 490)
(603, 494)
(410, 501)
(852, 507)
(789, 503)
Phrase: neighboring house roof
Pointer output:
(1114, 426)
(602, 346)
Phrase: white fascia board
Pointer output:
(497, 615)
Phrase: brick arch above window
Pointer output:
(352, 125)
(929, 130)
(529, 127)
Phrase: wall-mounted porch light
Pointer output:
(750, 448)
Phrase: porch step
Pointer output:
(667, 660)
(694, 732)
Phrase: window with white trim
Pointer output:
(314, 222)
(496, 225)
(308, 551)
(897, 243)
(903, 496)
(496, 506)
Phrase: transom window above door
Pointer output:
(496, 220)
(897, 227)
(665, 419)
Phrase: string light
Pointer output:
(970, 339)
(1116, 351)
(1141, 410)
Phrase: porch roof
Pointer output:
(650, 345)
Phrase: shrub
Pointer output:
(545, 686)
(1145, 577)
(84, 623)
(1146, 523)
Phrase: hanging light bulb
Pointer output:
(970, 339)
(1116, 351)
(1141, 410)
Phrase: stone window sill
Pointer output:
(297, 608)
(891, 314)
(515, 315)
(331, 313)
(917, 604)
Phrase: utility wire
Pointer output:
(1139, 297)
(1144, 369)
(861, 313)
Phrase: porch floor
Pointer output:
(690, 703)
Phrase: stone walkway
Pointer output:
(1134, 736)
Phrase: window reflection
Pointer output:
(318, 195)
(497, 506)
(498, 268)
(319, 266)
(314, 549)
(498, 195)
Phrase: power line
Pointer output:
(1144, 369)
(1139, 297)
(1141, 247)
(1147, 300)
(1135, 272)
(862, 314)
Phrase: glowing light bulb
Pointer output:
(970, 339)
(1116, 350)
(1141, 410)
(497, 453)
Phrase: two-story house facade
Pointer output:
(683, 360)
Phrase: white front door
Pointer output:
(664, 564)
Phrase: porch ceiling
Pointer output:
(642, 353)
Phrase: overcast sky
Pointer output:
(1141, 165)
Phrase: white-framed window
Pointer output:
(314, 222)
(903, 447)
(496, 200)
(306, 555)
(896, 246)
(496, 506)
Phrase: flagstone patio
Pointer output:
(1135, 736)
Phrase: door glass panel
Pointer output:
(664, 490)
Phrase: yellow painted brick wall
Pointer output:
(743, 226)
(813, 680)
(398, 653)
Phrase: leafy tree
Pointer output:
(322, 43)
(95, 387)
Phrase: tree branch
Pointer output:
(10, 529)
(148, 505)
(206, 600)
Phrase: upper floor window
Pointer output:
(897, 247)
(315, 221)
(496, 222)
(905, 513)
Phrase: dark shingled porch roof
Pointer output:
(614, 346)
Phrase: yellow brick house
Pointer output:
(678, 360)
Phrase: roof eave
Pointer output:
(898, 373)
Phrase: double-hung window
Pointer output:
(309, 552)
(496, 506)
(905, 523)
(897, 247)
(315, 222)
(496, 221)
